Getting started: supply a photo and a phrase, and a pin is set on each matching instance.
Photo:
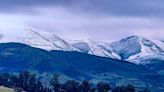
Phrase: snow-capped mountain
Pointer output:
(39, 39)
(94, 48)
(134, 49)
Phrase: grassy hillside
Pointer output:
(16, 57)
(5, 89)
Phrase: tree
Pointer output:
(14, 81)
(103, 87)
(93, 90)
(55, 83)
(119, 89)
(71, 86)
(47, 89)
(5, 80)
(145, 90)
(39, 86)
(123, 88)
(85, 86)
(30, 83)
(130, 88)
(27, 81)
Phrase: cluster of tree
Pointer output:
(26, 81)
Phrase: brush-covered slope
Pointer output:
(16, 57)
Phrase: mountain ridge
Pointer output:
(131, 49)
(32, 37)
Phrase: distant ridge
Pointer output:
(135, 49)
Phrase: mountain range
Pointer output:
(135, 49)
(133, 60)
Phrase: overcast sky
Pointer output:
(86, 19)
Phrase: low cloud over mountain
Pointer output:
(111, 20)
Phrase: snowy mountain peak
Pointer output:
(35, 38)
(132, 49)
(127, 47)
(134, 38)
(135, 47)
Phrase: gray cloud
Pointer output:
(17, 3)
(147, 8)
(81, 19)
(28, 6)
(71, 25)
(130, 7)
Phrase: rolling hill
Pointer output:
(16, 57)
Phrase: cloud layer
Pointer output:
(113, 7)
(82, 19)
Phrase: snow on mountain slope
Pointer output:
(152, 58)
(39, 39)
(160, 43)
(94, 48)
(135, 48)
